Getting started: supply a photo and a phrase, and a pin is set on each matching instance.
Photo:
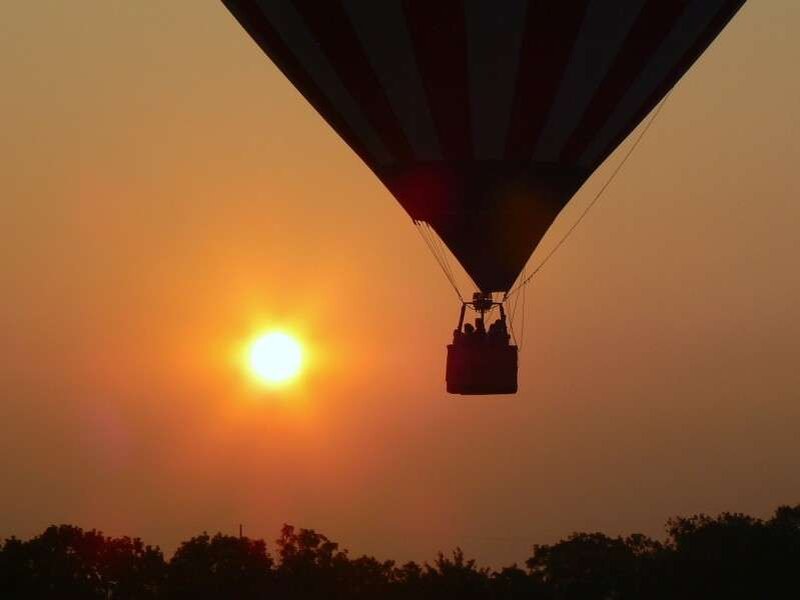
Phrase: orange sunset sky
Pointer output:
(167, 195)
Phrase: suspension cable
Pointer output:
(522, 327)
(513, 314)
(591, 204)
(442, 251)
(441, 260)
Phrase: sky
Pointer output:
(166, 195)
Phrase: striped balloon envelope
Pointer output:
(484, 117)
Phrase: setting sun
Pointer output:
(275, 357)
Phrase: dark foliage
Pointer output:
(730, 556)
(68, 562)
(220, 567)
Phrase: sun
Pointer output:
(275, 358)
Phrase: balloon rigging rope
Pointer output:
(518, 340)
(513, 315)
(591, 204)
(438, 254)
(443, 253)
(522, 333)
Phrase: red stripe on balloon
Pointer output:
(332, 29)
(252, 19)
(550, 33)
(655, 22)
(725, 14)
(438, 35)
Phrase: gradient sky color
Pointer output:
(167, 195)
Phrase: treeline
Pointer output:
(729, 556)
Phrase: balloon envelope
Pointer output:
(484, 118)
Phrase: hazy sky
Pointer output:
(166, 195)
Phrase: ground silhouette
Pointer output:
(729, 556)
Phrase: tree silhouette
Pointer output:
(735, 555)
(586, 565)
(222, 566)
(67, 562)
(310, 564)
(730, 556)
(512, 583)
(456, 577)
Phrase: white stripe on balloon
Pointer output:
(285, 19)
(494, 41)
(604, 29)
(685, 32)
(381, 29)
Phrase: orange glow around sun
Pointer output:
(275, 358)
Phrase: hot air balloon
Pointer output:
(484, 118)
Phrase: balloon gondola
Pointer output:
(483, 119)
(481, 360)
